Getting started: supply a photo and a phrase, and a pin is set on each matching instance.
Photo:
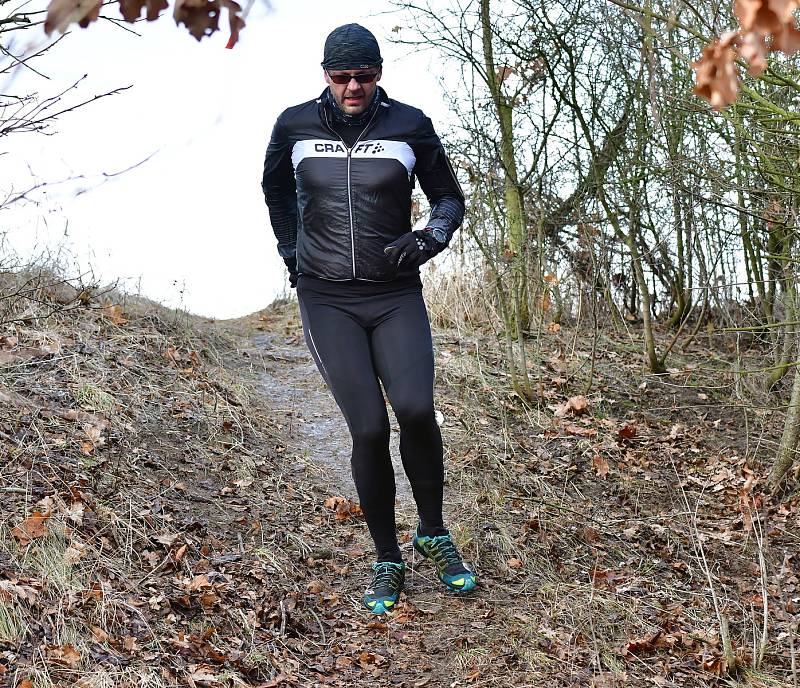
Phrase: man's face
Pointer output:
(353, 97)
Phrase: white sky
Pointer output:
(189, 227)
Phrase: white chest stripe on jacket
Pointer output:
(374, 149)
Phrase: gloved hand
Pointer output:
(412, 249)
(291, 266)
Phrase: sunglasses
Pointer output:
(342, 79)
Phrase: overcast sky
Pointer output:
(188, 227)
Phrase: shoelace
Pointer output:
(386, 575)
(444, 552)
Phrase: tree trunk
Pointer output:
(514, 204)
(788, 446)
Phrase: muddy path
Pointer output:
(314, 428)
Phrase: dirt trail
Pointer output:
(314, 427)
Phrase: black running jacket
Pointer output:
(336, 207)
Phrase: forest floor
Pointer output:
(176, 509)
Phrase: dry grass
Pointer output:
(146, 436)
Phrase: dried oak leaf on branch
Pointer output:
(132, 9)
(201, 17)
(765, 16)
(766, 26)
(762, 18)
(716, 75)
(62, 13)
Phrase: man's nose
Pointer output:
(353, 85)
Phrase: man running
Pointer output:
(338, 177)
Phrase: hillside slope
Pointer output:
(177, 510)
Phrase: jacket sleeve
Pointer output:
(438, 180)
(280, 190)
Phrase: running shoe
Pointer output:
(384, 590)
(450, 567)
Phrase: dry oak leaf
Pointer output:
(131, 9)
(114, 314)
(514, 563)
(235, 21)
(62, 13)
(99, 634)
(600, 465)
(64, 654)
(753, 49)
(201, 17)
(315, 587)
(787, 40)
(765, 16)
(715, 72)
(504, 72)
(31, 528)
(198, 582)
(577, 405)
(579, 430)
(74, 553)
(204, 673)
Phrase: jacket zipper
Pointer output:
(349, 192)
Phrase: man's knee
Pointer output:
(413, 414)
(370, 432)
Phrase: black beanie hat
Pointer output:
(351, 47)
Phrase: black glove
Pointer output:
(412, 249)
(291, 266)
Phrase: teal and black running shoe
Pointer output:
(450, 567)
(384, 591)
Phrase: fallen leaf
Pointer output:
(64, 654)
(573, 429)
(600, 465)
(333, 502)
(31, 528)
(366, 658)
(514, 563)
(202, 673)
(198, 582)
(576, 405)
(99, 634)
(114, 313)
(74, 553)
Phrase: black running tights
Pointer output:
(360, 334)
